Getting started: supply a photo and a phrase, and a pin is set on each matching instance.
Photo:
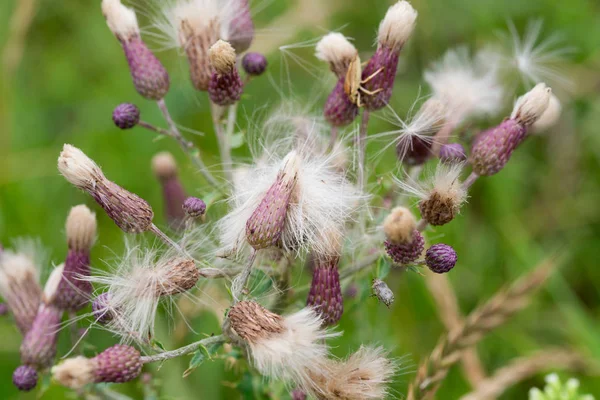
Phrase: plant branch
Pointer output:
(359, 265)
(222, 140)
(190, 348)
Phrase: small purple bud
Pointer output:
(101, 309)
(408, 252)
(325, 294)
(339, 109)
(3, 309)
(25, 378)
(440, 258)
(254, 63)
(126, 115)
(194, 207)
(493, 148)
(452, 153)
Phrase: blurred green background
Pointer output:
(63, 73)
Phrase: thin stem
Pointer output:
(155, 129)
(359, 265)
(470, 180)
(190, 348)
(362, 149)
(422, 225)
(188, 147)
(222, 140)
(238, 284)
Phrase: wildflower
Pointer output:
(225, 86)
(73, 292)
(325, 294)
(452, 153)
(19, 283)
(287, 348)
(399, 226)
(39, 344)
(150, 77)
(549, 117)
(254, 64)
(126, 115)
(468, 88)
(440, 258)
(294, 203)
(117, 364)
(195, 25)
(408, 251)
(135, 286)
(194, 207)
(492, 150)
(336, 50)
(380, 72)
(131, 213)
(382, 291)
(165, 170)
(25, 378)
(442, 196)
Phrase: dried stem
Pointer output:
(482, 320)
(188, 147)
(213, 340)
(362, 149)
(222, 140)
(524, 368)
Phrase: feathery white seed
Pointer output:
(530, 107)
(81, 228)
(74, 372)
(121, 20)
(397, 25)
(550, 117)
(79, 169)
(335, 49)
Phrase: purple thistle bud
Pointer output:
(101, 309)
(25, 378)
(265, 225)
(415, 153)
(440, 258)
(39, 345)
(382, 291)
(339, 108)
(494, 147)
(241, 27)
(165, 170)
(126, 115)
(194, 207)
(117, 364)
(298, 394)
(254, 64)
(406, 253)
(74, 291)
(150, 77)
(3, 309)
(225, 86)
(130, 212)
(378, 77)
(325, 291)
(452, 153)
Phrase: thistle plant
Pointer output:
(305, 196)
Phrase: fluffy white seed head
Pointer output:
(400, 225)
(469, 88)
(164, 165)
(397, 25)
(532, 105)
(335, 49)
(79, 169)
(52, 284)
(222, 57)
(18, 266)
(121, 20)
(81, 228)
(550, 117)
(74, 372)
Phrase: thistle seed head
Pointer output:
(335, 49)
(443, 201)
(531, 106)
(339, 109)
(117, 364)
(325, 294)
(440, 258)
(131, 213)
(126, 115)
(399, 226)
(121, 20)
(397, 26)
(81, 228)
(550, 117)
(225, 86)
(382, 291)
(493, 148)
(452, 153)
(194, 207)
(182, 275)
(222, 57)
(406, 252)
(25, 378)
(252, 323)
(254, 64)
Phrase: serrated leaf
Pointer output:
(237, 140)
